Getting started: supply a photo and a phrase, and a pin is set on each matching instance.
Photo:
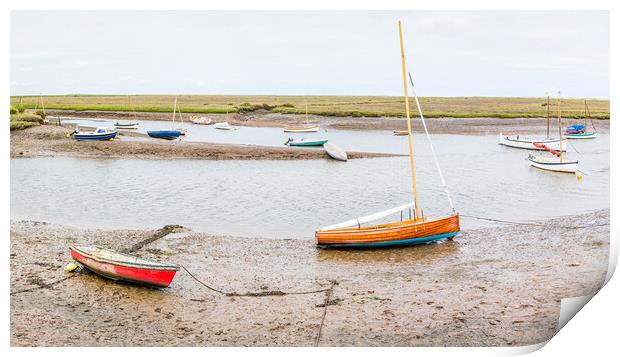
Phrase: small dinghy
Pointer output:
(581, 131)
(401, 132)
(98, 134)
(121, 266)
(223, 126)
(164, 134)
(305, 142)
(200, 120)
(335, 152)
(303, 127)
(129, 124)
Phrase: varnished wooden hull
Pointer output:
(400, 233)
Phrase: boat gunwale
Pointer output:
(154, 266)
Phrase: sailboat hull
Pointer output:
(409, 232)
(580, 136)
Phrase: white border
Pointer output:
(593, 330)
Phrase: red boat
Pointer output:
(121, 266)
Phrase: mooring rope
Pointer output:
(255, 294)
(532, 223)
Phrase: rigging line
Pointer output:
(443, 181)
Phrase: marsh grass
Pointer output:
(338, 106)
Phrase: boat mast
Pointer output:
(560, 126)
(174, 111)
(548, 116)
(131, 108)
(418, 211)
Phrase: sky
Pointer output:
(462, 53)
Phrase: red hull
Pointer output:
(154, 276)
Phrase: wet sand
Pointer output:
(51, 140)
(469, 126)
(490, 287)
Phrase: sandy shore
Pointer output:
(494, 286)
(51, 140)
(470, 126)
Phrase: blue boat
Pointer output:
(99, 134)
(164, 134)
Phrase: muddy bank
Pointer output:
(51, 140)
(469, 126)
(495, 286)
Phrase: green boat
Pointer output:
(305, 142)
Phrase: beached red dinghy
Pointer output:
(120, 266)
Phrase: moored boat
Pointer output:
(401, 132)
(164, 134)
(552, 163)
(335, 152)
(201, 120)
(126, 267)
(418, 229)
(526, 142)
(223, 126)
(557, 162)
(581, 131)
(590, 135)
(305, 142)
(130, 124)
(99, 134)
(303, 127)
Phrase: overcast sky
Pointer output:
(297, 53)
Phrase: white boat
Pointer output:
(201, 120)
(128, 124)
(223, 126)
(553, 163)
(527, 142)
(581, 136)
(182, 129)
(335, 152)
(557, 162)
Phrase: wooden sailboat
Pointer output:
(527, 142)
(581, 131)
(557, 162)
(418, 229)
(303, 128)
(167, 134)
(128, 124)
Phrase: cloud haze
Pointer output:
(463, 53)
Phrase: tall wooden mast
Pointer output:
(418, 210)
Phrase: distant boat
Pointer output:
(557, 162)
(223, 126)
(335, 152)
(201, 120)
(302, 127)
(182, 129)
(401, 132)
(417, 229)
(128, 124)
(98, 134)
(120, 266)
(305, 142)
(581, 131)
(167, 134)
(164, 134)
(527, 142)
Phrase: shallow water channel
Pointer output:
(291, 199)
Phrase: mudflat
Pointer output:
(497, 286)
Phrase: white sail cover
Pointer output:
(373, 217)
